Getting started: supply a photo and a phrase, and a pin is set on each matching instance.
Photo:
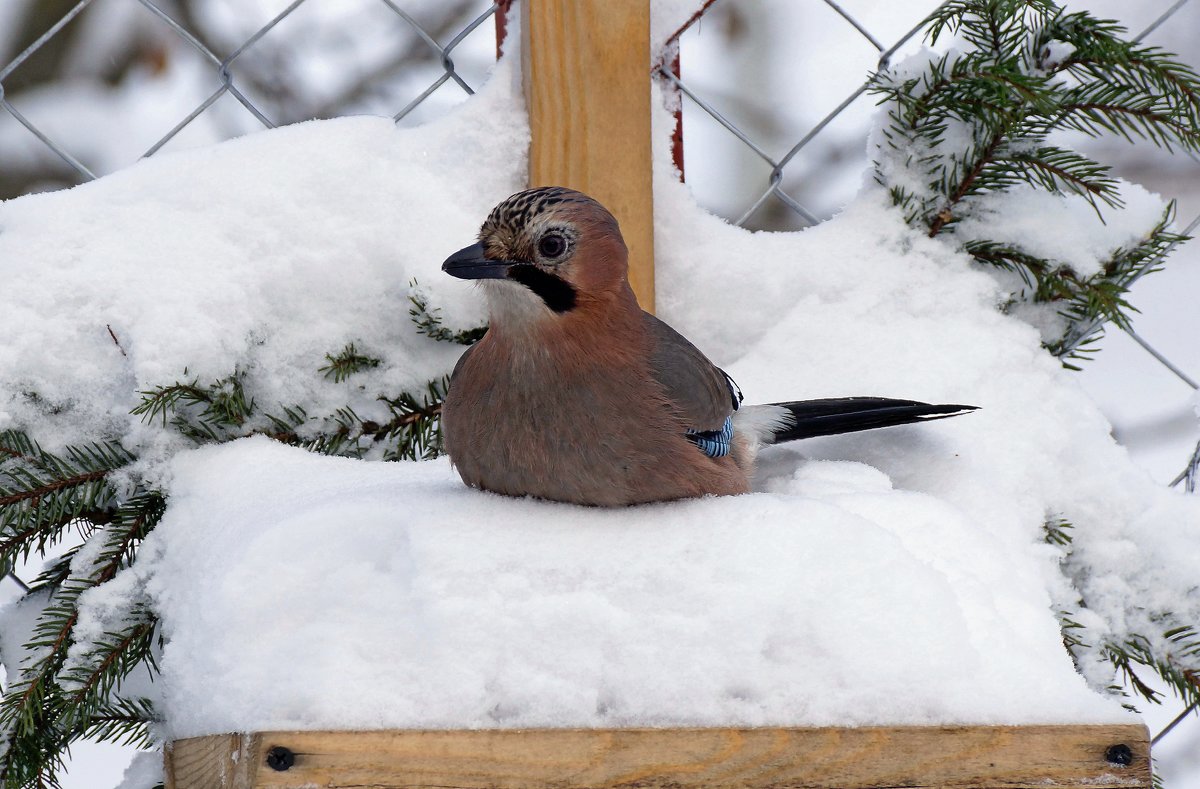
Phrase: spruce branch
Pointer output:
(42, 494)
(286, 425)
(33, 753)
(989, 25)
(204, 413)
(92, 681)
(16, 445)
(414, 431)
(428, 321)
(966, 185)
(1058, 532)
(346, 363)
(40, 490)
(1173, 654)
(124, 722)
(36, 715)
(1178, 665)
(1102, 297)
(976, 123)
(1058, 170)
(56, 571)
(1162, 91)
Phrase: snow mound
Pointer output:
(259, 255)
(305, 592)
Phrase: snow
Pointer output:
(304, 592)
(1085, 235)
(103, 609)
(229, 258)
(17, 620)
(144, 772)
(1054, 53)
(899, 576)
(877, 309)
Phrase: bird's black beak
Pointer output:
(470, 263)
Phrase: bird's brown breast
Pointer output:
(560, 420)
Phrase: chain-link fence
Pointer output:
(210, 70)
(782, 153)
(91, 86)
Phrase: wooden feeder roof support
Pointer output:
(586, 69)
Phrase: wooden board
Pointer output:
(1012, 757)
(587, 86)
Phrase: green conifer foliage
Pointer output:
(980, 119)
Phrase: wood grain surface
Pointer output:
(587, 85)
(1033, 757)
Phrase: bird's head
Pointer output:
(545, 252)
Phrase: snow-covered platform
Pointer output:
(833, 632)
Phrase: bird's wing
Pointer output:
(703, 394)
(461, 360)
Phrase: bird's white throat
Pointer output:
(513, 305)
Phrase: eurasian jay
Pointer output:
(575, 394)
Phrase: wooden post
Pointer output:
(954, 757)
(587, 86)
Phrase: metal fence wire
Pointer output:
(429, 63)
(226, 67)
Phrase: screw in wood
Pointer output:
(1119, 754)
(280, 758)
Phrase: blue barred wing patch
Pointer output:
(714, 443)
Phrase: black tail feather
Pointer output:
(829, 417)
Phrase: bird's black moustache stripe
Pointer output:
(558, 294)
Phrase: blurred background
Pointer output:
(87, 88)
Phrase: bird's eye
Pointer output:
(552, 245)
